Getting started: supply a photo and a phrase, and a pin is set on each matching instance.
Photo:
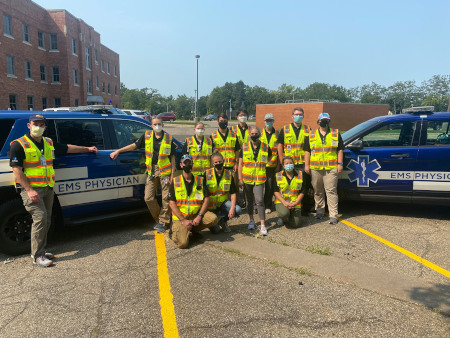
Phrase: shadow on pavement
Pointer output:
(437, 297)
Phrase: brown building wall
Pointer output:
(343, 115)
(67, 27)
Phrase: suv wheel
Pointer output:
(15, 228)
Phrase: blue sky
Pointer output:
(268, 43)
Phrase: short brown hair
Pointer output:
(216, 154)
(299, 109)
(288, 158)
(222, 115)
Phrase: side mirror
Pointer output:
(355, 145)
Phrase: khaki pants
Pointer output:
(161, 215)
(41, 213)
(180, 235)
(325, 181)
(291, 218)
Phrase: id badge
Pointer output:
(288, 147)
(264, 158)
(313, 152)
(167, 151)
(43, 161)
(334, 143)
(226, 187)
(198, 195)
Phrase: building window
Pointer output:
(103, 87)
(53, 42)
(96, 82)
(41, 40)
(103, 66)
(96, 56)
(55, 74)
(7, 25)
(30, 102)
(75, 77)
(74, 46)
(115, 71)
(107, 67)
(44, 103)
(109, 88)
(76, 103)
(28, 74)
(88, 58)
(13, 101)
(89, 87)
(115, 90)
(10, 66)
(57, 102)
(25, 33)
(43, 70)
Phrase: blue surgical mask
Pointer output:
(298, 118)
(289, 167)
(269, 124)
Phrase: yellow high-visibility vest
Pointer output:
(226, 148)
(293, 146)
(241, 138)
(218, 193)
(254, 172)
(291, 191)
(165, 167)
(201, 157)
(273, 146)
(324, 156)
(188, 205)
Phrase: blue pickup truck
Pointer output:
(88, 186)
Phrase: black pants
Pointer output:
(308, 199)
(269, 187)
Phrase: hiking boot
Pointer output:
(42, 261)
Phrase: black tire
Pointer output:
(15, 228)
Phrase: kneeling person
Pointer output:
(289, 194)
(222, 193)
(189, 200)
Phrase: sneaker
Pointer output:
(280, 222)
(47, 255)
(159, 228)
(42, 261)
(268, 211)
(225, 227)
(333, 220)
(263, 230)
(319, 215)
(251, 225)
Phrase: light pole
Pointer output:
(230, 110)
(448, 106)
(196, 92)
(167, 107)
(195, 104)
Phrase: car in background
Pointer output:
(141, 113)
(89, 187)
(398, 158)
(167, 116)
(252, 117)
(95, 108)
(210, 117)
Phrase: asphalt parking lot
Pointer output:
(106, 280)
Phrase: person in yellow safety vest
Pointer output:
(292, 139)
(200, 148)
(189, 200)
(225, 141)
(324, 160)
(289, 194)
(241, 129)
(269, 135)
(31, 159)
(253, 160)
(222, 193)
(160, 162)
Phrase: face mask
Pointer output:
(223, 124)
(218, 166)
(298, 118)
(242, 118)
(157, 128)
(37, 131)
(200, 132)
(254, 138)
(187, 168)
(324, 123)
(289, 167)
(269, 124)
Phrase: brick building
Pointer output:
(49, 58)
(343, 115)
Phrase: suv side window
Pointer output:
(438, 133)
(86, 133)
(5, 129)
(397, 134)
(128, 132)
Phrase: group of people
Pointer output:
(270, 166)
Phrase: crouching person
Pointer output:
(289, 194)
(189, 200)
(222, 193)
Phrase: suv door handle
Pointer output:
(399, 155)
(60, 165)
(128, 161)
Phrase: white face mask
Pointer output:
(200, 132)
(157, 128)
(37, 131)
(242, 118)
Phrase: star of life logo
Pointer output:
(364, 171)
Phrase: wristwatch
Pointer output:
(340, 163)
(200, 214)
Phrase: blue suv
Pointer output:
(88, 186)
(398, 158)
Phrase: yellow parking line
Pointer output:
(400, 249)
(166, 297)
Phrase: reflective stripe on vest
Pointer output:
(324, 156)
(37, 167)
(226, 148)
(201, 158)
(237, 131)
(294, 146)
(291, 191)
(273, 146)
(254, 172)
(218, 193)
(165, 167)
(188, 205)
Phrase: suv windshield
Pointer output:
(350, 134)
